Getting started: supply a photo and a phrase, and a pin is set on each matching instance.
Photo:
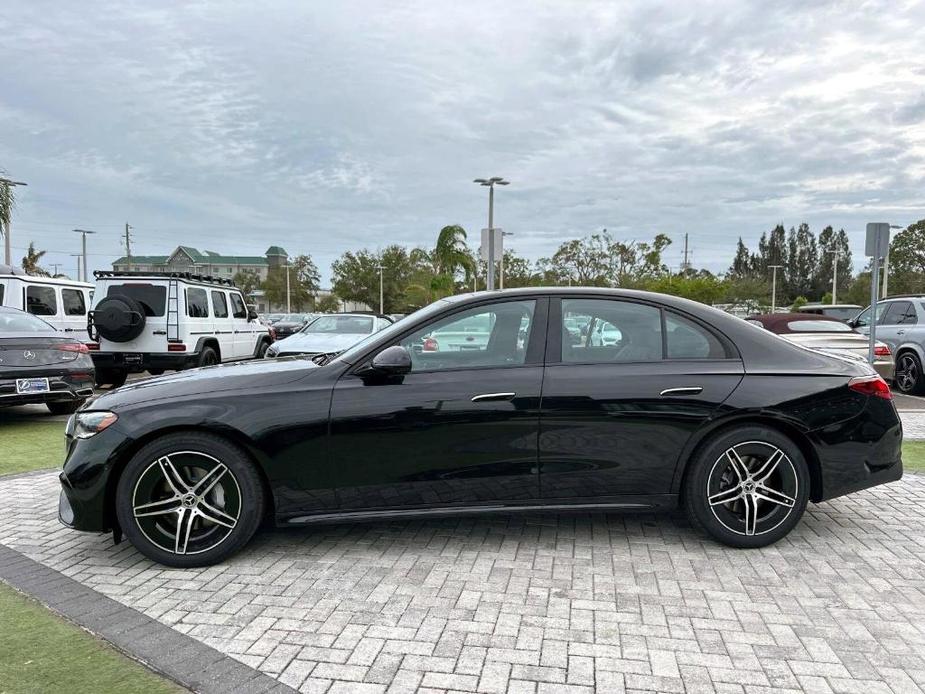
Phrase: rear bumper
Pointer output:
(886, 369)
(124, 361)
(62, 388)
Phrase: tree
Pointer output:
(451, 254)
(907, 260)
(803, 267)
(356, 277)
(30, 261)
(306, 273)
(584, 262)
(327, 304)
(277, 293)
(248, 281)
(742, 262)
(518, 271)
(697, 285)
(830, 244)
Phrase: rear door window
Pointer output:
(598, 331)
(74, 303)
(152, 297)
(41, 301)
(219, 304)
(197, 303)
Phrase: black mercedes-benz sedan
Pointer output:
(488, 402)
(39, 364)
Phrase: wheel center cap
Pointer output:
(749, 487)
(189, 501)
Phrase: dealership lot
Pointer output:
(536, 603)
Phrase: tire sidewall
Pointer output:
(205, 354)
(917, 386)
(238, 463)
(695, 495)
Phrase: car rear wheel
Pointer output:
(189, 499)
(747, 487)
(909, 377)
(262, 349)
(208, 357)
(64, 406)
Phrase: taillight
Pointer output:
(871, 385)
(176, 347)
(430, 345)
(73, 347)
(881, 351)
(93, 346)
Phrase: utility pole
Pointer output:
(128, 245)
(503, 233)
(6, 196)
(77, 255)
(685, 264)
(288, 292)
(55, 266)
(836, 254)
(381, 292)
(490, 183)
(84, 233)
(774, 287)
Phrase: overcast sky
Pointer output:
(323, 127)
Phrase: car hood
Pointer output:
(316, 342)
(260, 373)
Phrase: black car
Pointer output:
(680, 404)
(291, 323)
(38, 364)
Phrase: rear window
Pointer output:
(818, 326)
(152, 297)
(73, 300)
(41, 301)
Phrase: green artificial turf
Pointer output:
(28, 446)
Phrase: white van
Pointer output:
(57, 300)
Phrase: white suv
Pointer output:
(168, 321)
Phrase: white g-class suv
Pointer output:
(149, 321)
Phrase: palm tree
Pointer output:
(30, 261)
(451, 253)
(7, 201)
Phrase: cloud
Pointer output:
(330, 127)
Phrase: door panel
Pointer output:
(606, 430)
(422, 441)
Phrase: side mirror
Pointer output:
(251, 314)
(392, 361)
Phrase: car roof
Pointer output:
(40, 279)
(821, 305)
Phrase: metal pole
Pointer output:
(490, 282)
(835, 255)
(288, 293)
(874, 286)
(381, 293)
(6, 246)
(774, 287)
(83, 241)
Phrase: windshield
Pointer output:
(294, 318)
(11, 322)
(341, 325)
(394, 330)
(818, 326)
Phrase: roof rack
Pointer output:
(902, 296)
(192, 276)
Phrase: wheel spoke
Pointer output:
(751, 513)
(768, 467)
(774, 496)
(172, 475)
(725, 496)
(158, 508)
(213, 515)
(184, 527)
(738, 465)
(209, 480)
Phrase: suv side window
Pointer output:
(73, 300)
(610, 331)
(863, 318)
(483, 336)
(197, 303)
(688, 340)
(219, 304)
(237, 306)
(41, 301)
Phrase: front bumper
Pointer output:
(85, 481)
(145, 361)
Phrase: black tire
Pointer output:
(155, 372)
(773, 496)
(208, 357)
(218, 522)
(119, 318)
(64, 406)
(909, 377)
(111, 377)
(262, 349)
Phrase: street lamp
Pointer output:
(7, 184)
(774, 287)
(84, 233)
(490, 183)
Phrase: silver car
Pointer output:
(901, 325)
(329, 334)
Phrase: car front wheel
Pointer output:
(747, 487)
(189, 499)
(909, 377)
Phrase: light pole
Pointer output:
(490, 183)
(886, 264)
(77, 255)
(774, 287)
(7, 193)
(288, 292)
(381, 292)
(503, 233)
(84, 233)
(836, 254)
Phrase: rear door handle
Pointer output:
(689, 390)
(489, 397)
(900, 332)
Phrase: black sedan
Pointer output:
(661, 401)
(38, 364)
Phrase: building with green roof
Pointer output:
(189, 259)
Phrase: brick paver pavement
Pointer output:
(537, 603)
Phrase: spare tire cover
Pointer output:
(119, 318)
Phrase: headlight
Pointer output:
(87, 424)
(272, 351)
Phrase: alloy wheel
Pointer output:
(907, 373)
(752, 488)
(186, 502)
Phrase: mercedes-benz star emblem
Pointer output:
(28, 354)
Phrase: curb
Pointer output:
(200, 668)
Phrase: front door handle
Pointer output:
(689, 390)
(489, 397)
(900, 332)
